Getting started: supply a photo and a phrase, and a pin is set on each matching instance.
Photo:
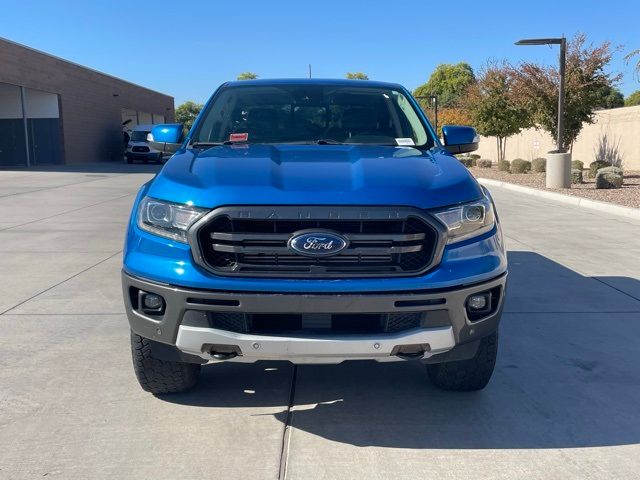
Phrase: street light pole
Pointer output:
(559, 161)
(563, 61)
(434, 102)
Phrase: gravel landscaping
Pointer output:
(628, 195)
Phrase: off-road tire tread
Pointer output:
(159, 376)
(467, 375)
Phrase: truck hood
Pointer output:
(314, 175)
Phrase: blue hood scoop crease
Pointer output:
(314, 175)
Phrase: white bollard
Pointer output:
(558, 170)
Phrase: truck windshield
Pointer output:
(139, 136)
(295, 113)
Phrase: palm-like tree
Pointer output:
(630, 55)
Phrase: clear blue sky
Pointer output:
(188, 51)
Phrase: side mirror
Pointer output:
(166, 137)
(458, 139)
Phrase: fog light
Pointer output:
(482, 304)
(151, 301)
(478, 302)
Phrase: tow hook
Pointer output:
(411, 352)
(223, 356)
(221, 352)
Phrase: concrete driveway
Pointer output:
(564, 402)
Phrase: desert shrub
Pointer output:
(577, 165)
(539, 165)
(503, 165)
(608, 180)
(595, 166)
(608, 150)
(616, 170)
(520, 166)
(576, 175)
(475, 156)
(484, 163)
(467, 160)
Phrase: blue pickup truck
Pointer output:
(314, 221)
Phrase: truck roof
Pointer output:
(142, 128)
(314, 81)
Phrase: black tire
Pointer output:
(129, 160)
(467, 375)
(160, 158)
(160, 376)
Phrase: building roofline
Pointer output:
(40, 52)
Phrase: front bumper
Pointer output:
(183, 322)
(310, 349)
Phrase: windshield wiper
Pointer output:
(328, 141)
(205, 144)
(214, 144)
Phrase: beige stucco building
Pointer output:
(621, 125)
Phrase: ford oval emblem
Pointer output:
(317, 243)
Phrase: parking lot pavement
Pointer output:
(563, 403)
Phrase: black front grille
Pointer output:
(333, 323)
(140, 149)
(383, 243)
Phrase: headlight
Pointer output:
(170, 220)
(468, 220)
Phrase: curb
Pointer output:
(581, 202)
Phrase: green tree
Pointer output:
(495, 111)
(357, 76)
(633, 99)
(448, 82)
(247, 76)
(610, 97)
(187, 113)
(586, 77)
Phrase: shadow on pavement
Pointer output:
(567, 376)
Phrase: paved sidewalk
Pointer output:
(563, 403)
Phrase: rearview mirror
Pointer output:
(459, 139)
(166, 137)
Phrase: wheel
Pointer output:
(160, 158)
(161, 376)
(467, 375)
(129, 160)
